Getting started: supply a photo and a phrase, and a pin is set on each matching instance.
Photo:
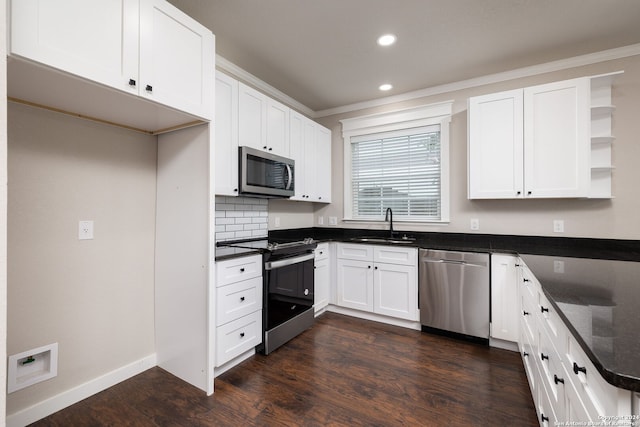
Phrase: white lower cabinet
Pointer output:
(387, 288)
(322, 270)
(238, 307)
(564, 383)
(504, 297)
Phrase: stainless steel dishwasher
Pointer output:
(454, 293)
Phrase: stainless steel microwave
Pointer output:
(264, 174)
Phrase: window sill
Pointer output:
(403, 221)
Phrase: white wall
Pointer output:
(615, 218)
(93, 297)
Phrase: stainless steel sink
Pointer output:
(408, 240)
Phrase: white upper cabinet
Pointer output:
(310, 147)
(556, 139)
(496, 138)
(546, 141)
(264, 122)
(146, 48)
(176, 62)
(63, 35)
(226, 135)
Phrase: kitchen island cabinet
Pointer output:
(568, 309)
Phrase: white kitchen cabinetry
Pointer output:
(322, 270)
(310, 147)
(263, 122)
(564, 383)
(546, 141)
(238, 307)
(226, 128)
(504, 297)
(495, 146)
(378, 279)
(146, 48)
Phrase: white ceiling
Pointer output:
(323, 53)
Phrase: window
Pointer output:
(398, 160)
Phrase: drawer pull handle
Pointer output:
(525, 313)
(525, 354)
(241, 298)
(544, 356)
(241, 334)
(577, 369)
(149, 88)
(242, 270)
(543, 309)
(525, 280)
(543, 418)
(132, 83)
(557, 380)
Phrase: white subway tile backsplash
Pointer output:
(241, 218)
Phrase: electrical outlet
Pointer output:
(475, 224)
(320, 220)
(333, 220)
(85, 230)
(558, 266)
(277, 221)
(558, 226)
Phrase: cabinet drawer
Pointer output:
(529, 319)
(598, 396)
(238, 336)
(552, 373)
(395, 255)
(322, 251)
(238, 269)
(238, 299)
(552, 324)
(355, 251)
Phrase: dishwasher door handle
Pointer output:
(453, 261)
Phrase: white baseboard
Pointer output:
(69, 397)
(409, 324)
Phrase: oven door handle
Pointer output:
(272, 265)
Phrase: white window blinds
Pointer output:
(400, 170)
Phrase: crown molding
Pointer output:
(562, 64)
(230, 68)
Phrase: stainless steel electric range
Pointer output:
(288, 280)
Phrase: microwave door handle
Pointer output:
(289, 176)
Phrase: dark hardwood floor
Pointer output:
(342, 372)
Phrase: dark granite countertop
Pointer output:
(599, 301)
(597, 296)
(226, 252)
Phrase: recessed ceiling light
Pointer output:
(385, 87)
(386, 40)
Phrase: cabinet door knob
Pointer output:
(557, 380)
(241, 334)
(241, 298)
(270, 148)
(149, 88)
(235, 190)
(132, 82)
(519, 193)
(375, 268)
(242, 270)
(368, 266)
(577, 369)
(544, 309)
(528, 193)
(264, 147)
(544, 356)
